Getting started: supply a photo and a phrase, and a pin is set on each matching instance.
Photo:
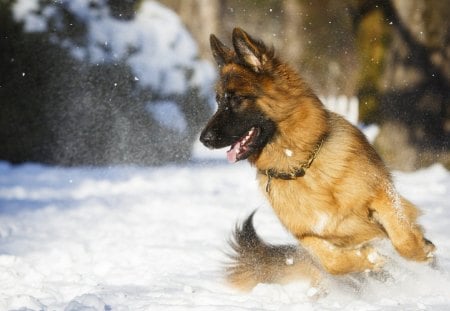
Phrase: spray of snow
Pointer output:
(395, 201)
(167, 61)
(168, 114)
(288, 152)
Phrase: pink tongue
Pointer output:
(232, 153)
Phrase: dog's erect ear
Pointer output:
(252, 52)
(221, 53)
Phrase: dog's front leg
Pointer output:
(398, 217)
(337, 260)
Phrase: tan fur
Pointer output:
(345, 200)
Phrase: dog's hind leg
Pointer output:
(398, 217)
(337, 261)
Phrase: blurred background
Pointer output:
(85, 82)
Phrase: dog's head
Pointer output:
(239, 121)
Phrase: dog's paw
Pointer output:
(375, 260)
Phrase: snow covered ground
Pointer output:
(144, 238)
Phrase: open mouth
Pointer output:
(242, 148)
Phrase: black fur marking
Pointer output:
(229, 124)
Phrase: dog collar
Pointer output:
(298, 171)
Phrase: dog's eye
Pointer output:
(228, 100)
(235, 100)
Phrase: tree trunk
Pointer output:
(202, 17)
(404, 82)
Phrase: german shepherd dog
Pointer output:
(327, 185)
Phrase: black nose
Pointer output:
(207, 138)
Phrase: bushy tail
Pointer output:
(255, 261)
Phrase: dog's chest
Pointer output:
(301, 210)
